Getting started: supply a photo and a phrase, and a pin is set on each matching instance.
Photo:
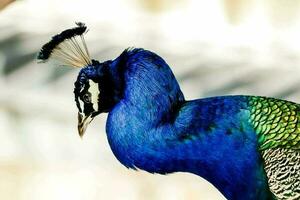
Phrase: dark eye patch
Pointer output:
(83, 96)
(86, 97)
(81, 93)
(88, 108)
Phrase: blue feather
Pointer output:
(152, 127)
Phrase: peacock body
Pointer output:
(246, 146)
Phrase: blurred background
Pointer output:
(215, 47)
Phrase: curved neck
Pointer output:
(149, 127)
(150, 100)
(143, 79)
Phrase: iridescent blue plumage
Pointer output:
(153, 128)
(246, 146)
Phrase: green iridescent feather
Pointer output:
(277, 125)
(277, 122)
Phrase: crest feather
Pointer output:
(68, 48)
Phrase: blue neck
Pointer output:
(142, 118)
(146, 129)
(146, 81)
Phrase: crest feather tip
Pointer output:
(68, 47)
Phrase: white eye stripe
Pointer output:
(81, 103)
(94, 91)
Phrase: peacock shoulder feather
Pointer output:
(277, 124)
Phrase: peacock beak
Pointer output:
(83, 122)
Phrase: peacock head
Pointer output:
(69, 49)
(87, 96)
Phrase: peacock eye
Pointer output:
(86, 98)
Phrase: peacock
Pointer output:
(248, 147)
